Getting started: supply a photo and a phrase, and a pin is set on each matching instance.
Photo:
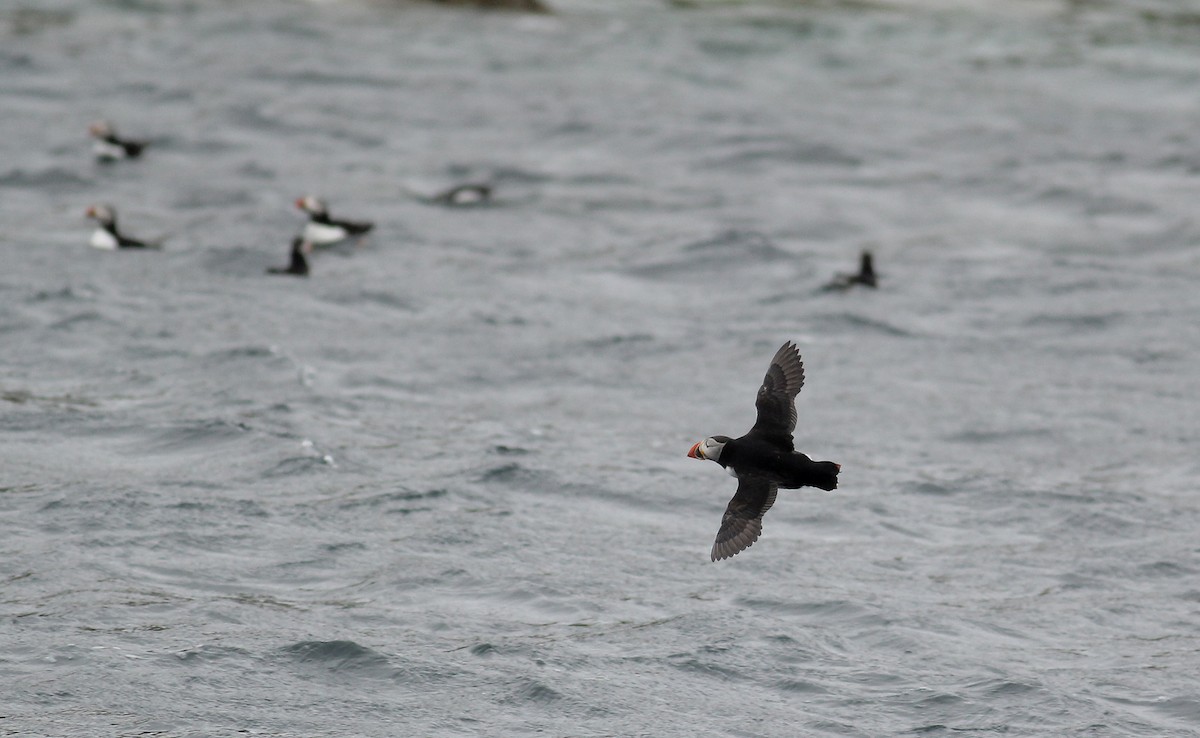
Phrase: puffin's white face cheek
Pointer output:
(101, 129)
(711, 449)
(313, 205)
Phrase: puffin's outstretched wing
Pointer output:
(742, 523)
(776, 400)
(353, 227)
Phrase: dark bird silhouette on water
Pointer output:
(764, 459)
(865, 277)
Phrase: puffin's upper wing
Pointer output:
(353, 227)
(743, 517)
(776, 400)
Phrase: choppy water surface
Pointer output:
(439, 488)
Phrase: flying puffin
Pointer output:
(299, 264)
(865, 276)
(465, 194)
(107, 236)
(108, 146)
(764, 459)
(321, 230)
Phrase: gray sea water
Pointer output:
(439, 488)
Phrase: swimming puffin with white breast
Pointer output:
(321, 230)
(475, 193)
(107, 236)
(866, 275)
(764, 459)
(299, 264)
(108, 146)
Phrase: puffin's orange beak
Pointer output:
(693, 452)
(90, 212)
(300, 202)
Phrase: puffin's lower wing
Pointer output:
(742, 523)
(355, 227)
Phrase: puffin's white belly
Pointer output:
(106, 150)
(320, 234)
(102, 239)
(467, 197)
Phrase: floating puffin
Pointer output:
(764, 459)
(321, 230)
(865, 276)
(107, 236)
(464, 194)
(109, 147)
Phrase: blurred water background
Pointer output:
(439, 487)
